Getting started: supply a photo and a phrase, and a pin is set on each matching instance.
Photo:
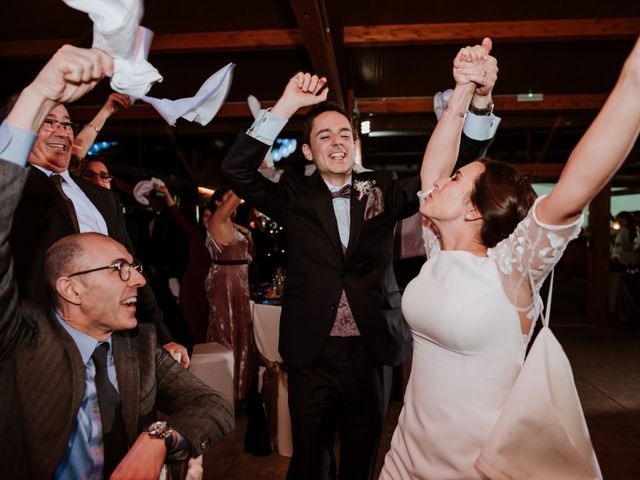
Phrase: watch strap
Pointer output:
(488, 110)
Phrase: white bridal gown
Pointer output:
(467, 347)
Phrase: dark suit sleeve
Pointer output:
(240, 167)
(15, 329)
(471, 149)
(196, 411)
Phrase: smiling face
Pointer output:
(449, 201)
(52, 148)
(331, 147)
(103, 302)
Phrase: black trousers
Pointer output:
(344, 391)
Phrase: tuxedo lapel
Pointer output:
(356, 209)
(323, 205)
(127, 371)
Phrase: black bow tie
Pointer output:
(344, 192)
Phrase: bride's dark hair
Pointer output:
(503, 196)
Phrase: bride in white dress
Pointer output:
(473, 306)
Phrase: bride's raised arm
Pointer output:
(473, 68)
(601, 151)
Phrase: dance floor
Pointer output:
(606, 365)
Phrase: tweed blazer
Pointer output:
(42, 375)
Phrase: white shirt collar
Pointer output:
(333, 188)
(65, 175)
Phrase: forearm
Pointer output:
(442, 150)
(240, 168)
(30, 110)
(15, 331)
(599, 154)
(87, 136)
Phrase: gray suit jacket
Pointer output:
(42, 375)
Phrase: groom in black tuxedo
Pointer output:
(341, 319)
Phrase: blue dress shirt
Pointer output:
(84, 457)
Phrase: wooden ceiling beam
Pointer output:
(504, 103)
(316, 31)
(174, 43)
(275, 39)
(356, 36)
(511, 31)
(376, 106)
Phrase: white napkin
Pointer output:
(144, 188)
(116, 31)
(203, 106)
(440, 101)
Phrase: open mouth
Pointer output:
(130, 302)
(58, 147)
(337, 155)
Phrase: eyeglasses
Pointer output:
(53, 123)
(90, 175)
(121, 266)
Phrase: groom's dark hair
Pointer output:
(321, 108)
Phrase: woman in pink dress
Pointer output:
(227, 286)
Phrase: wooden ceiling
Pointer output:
(384, 60)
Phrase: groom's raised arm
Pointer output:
(240, 166)
(481, 124)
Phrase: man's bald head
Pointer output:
(66, 256)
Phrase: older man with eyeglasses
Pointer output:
(55, 204)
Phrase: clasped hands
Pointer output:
(476, 65)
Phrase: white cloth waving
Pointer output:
(203, 106)
(116, 31)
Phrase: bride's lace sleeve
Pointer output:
(429, 236)
(527, 256)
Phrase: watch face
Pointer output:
(159, 430)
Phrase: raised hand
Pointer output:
(474, 64)
(168, 198)
(303, 90)
(71, 73)
(117, 102)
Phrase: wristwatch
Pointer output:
(161, 430)
(488, 110)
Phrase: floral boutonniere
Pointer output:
(363, 187)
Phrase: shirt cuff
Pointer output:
(15, 144)
(481, 127)
(180, 451)
(266, 127)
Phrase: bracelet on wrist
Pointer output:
(460, 114)
(90, 125)
(488, 110)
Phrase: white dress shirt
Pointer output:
(89, 218)
(342, 210)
